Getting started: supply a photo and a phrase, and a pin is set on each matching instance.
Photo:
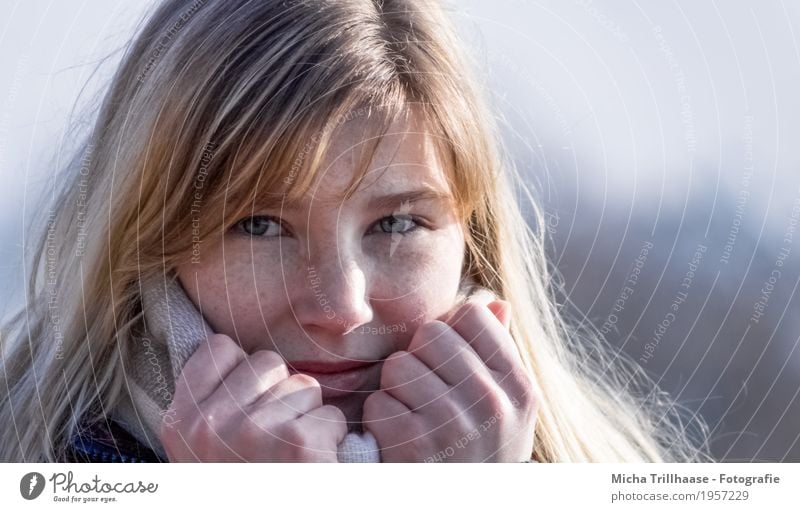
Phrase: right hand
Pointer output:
(231, 406)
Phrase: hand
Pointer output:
(460, 393)
(229, 406)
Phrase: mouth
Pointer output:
(337, 379)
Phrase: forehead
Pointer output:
(402, 159)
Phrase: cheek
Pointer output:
(239, 289)
(230, 289)
(418, 283)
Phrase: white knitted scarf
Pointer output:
(172, 330)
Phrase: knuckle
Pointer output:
(452, 408)
(433, 329)
(490, 396)
(222, 342)
(472, 308)
(307, 382)
(519, 381)
(396, 357)
(303, 380)
(419, 340)
(267, 359)
(373, 405)
(202, 435)
(460, 420)
(267, 356)
(468, 309)
(413, 431)
(527, 401)
(427, 333)
(207, 427)
(333, 413)
(392, 366)
(483, 384)
(291, 434)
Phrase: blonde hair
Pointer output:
(221, 105)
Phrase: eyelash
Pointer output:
(418, 223)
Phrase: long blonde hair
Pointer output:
(219, 104)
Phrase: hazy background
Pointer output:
(671, 123)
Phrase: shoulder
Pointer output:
(107, 441)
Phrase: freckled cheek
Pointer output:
(417, 288)
(238, 292)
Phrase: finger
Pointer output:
(327, 418)
(381, 410)
(487, 336)
(480, 296)
(287, 400)
(411, 381)
(251, 378)
(206, 368)
(445, 352)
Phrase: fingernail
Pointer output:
(508, 314)
(502, 310)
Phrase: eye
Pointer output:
(262, 226)
(398, 224)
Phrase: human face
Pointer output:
(332, 282)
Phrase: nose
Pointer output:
(335, 295)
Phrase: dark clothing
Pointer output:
(107, 441)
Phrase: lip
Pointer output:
(335, 379)
(326, 367)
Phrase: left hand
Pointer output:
(460, 392)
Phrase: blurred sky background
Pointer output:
(672, 125)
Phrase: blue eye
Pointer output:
(271, 227)
(263, 226)
(398, 224)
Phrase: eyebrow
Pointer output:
(410, 196)
(390, 200)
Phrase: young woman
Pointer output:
(320, 185)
